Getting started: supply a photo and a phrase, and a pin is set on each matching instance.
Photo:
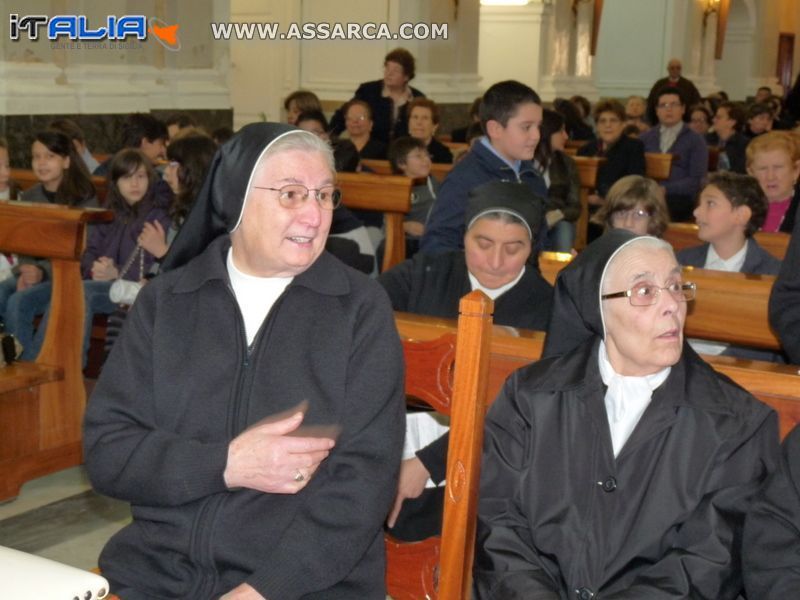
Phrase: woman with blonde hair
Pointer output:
(637, 204)
(774, 159)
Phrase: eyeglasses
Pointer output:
(358, 119)
(668, 105)
(295, 195)
(636, 214)
(646, 294)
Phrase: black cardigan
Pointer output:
(624, 157)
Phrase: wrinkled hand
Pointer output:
(267, 459)
(242, 592)
(103, 269)
(413, 476)
(29, 275)
(153, 238)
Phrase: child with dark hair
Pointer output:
(563, 206)
(189, 158)
(112, 250)
(409, 156)
(63, 179)
(731, 208)
(759, 119)
(144, 132)
(510, 113)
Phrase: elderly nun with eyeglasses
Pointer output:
(620, 465)
(252, 411)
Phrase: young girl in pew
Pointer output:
(63, 179)
(113, 251)
(189, 158)
(634, 203)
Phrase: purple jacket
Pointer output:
(690, 162)
(117, 239)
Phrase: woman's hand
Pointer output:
(153, 238)
(413, 476)
(103, 269)
(268, 458)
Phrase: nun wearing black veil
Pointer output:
(620, 466)
(252, 411)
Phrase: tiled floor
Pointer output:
(59, 517)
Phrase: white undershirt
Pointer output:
(494, 294)
(668, 135)
(626, 398)
(255, 296)
(733, 264)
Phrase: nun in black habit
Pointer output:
(620, 465)
(252, 410)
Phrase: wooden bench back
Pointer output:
(588, 166)
(684, 235)
(383, 167)
(26, 178)
(657, 165)
(449, 372)
(41, 403)
(729, 307)
(510, 348)
(389, 194)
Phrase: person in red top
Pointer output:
(774, 159)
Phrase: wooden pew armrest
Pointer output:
(20, 375)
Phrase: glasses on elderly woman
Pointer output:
(646, 294)
(295, 195)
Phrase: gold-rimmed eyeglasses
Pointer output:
(646, 294)
(295, 195)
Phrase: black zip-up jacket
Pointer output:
(180, 384)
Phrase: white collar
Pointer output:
(626, 398)
(494, 294)
(733, 264)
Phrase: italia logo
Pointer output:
(77, 27)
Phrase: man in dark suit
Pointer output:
(675, 79)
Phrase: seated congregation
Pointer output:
(254, 373)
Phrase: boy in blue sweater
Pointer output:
(510, 114)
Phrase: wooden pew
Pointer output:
(588, 166)
(411, 567)
(550, 263)
(510, 348)
(383, 167)
(389, 194)
(729, 307)
(26, 179)
(42, 402)
(684, 235)
(657, 165)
